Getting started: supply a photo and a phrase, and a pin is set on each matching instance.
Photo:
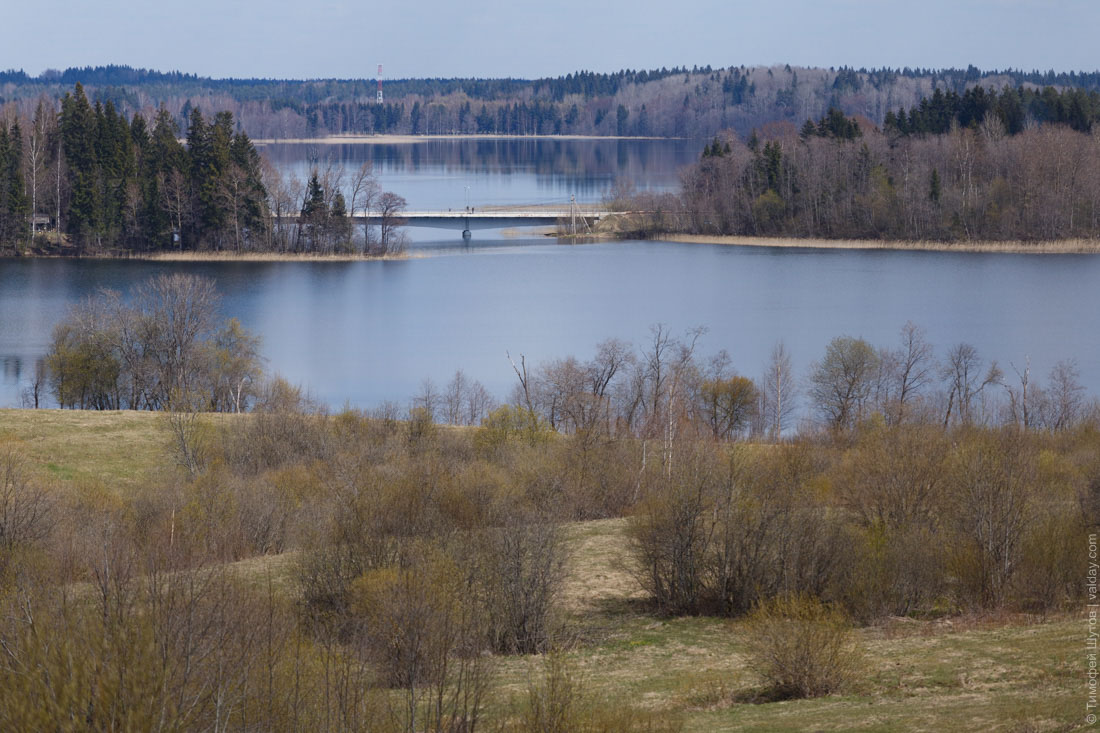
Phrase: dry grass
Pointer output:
(226, 256)
(532, 232)
(988, 673)
(598, 567)
(1008, 673)
(116, 450)
(1064, 246)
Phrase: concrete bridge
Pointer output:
(582, 217)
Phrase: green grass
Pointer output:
(1013, 674)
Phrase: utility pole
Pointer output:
(573, 212)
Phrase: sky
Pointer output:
(299, 39)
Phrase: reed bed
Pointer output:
(1064, 246)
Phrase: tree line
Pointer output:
(842, 179)
(107, 183)
(1015, 108)
(161, 347)
(680, 102)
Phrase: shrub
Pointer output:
(556, 702)
(800, 646)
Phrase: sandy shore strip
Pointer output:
(397, 139)
(1064, 246)
(266, 257)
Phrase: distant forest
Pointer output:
(966, 160)
(676, 102)
(952, 168)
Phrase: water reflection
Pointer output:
(433, 173)
(365, 332)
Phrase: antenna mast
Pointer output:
(378, 99)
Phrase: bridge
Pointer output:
(581, 217)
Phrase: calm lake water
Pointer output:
(441, 174)
(365, 332)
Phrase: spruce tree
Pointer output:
(78, 134)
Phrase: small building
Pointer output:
(41, 223)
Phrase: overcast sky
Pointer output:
(495, 38)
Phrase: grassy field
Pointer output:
(1008, 673)
(1012, 673)
(118, 450)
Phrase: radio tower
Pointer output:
(379, 97)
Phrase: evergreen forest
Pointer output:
(88, 180)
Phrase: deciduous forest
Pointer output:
(677, 102)
(950, 169)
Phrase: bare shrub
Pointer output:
(991, 482)
(800, 646)
(670, 532)
(556, 702)
(521, 570)
(423, 632)
(719, 532)
(26, 511)
(286, 427)
(1048, 570)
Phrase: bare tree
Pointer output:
(390, 237)
(177, 199)
(454, 395)
(428, 399)
(780, 392)
(34, 392)
(965, 383)
(1023, 399)
(36, 158)
(914, 369)
(843, 381)
(230, 194)
(364, 196)
(1066, 395)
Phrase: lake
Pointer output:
(447, 174)
(365, 332)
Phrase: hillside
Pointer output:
(988, 672)
(677, 102)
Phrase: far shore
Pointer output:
(396, 139)
(1064, 246)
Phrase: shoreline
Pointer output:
(222, 257)
(1067, 246)
(401, 139)
(271, 257)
